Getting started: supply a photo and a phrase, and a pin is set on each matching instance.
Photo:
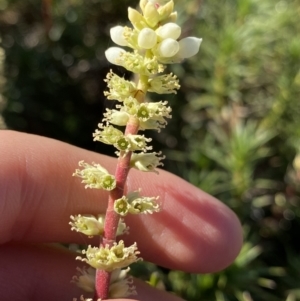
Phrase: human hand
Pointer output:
(194, 232)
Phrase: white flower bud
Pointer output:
(116, 34)
(164, 84)
(188, 47)
(169, 30)
(168, 48)
(147, 38)
(112, 54)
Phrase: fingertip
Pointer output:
(193, 232)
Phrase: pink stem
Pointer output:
(111, 217)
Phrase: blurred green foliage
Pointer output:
(235, 131)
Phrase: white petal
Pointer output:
(188, 47)
(168, 48)
(169, 30)
(147, 38)
(113, 53)
(116, 34)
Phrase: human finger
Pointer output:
(193, 232)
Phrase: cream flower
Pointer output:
(146, 161)
(135, 204)
(109, 259)
(95, 176)
(121, 285)
(90, 225)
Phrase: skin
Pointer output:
(194, 232)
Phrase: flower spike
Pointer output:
(151, 42)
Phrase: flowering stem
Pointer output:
(153, 40)
(111, 217)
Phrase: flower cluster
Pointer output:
(110, 258)
(152, 42)
(154, 33)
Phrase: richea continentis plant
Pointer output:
(151, 43)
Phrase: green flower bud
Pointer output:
(166, 10)
(151, 14)
(143, 4)
(136, 19)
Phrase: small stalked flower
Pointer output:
(133, 203)
(87, 224)
(109, 259)
(108, 135)
(146, 161)
(119, 88)
(164, 84)
(121, 285)
(133, 61)
(95, 176)
(125, 143)
(85, 279)
(90, 225)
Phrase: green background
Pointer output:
(235, 129)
